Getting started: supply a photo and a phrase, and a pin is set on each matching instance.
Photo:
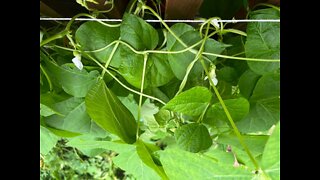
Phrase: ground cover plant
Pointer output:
(161, 101)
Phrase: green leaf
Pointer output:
(268, 86)
(270, 162)
(73, 81)
(247, 82)
(193, 137)
(228, 74)
(191, 102)
(238, 109)
(134, 159)
(179, 164)
(73, 116)
(82, 142)
(180, 61)
(109, 113)
(157, 72)
(47, 111)
(264, 105)
(263, 41)
(146, 157)
(138, 33)
(47, 140)
(93, 36)
(255, 143)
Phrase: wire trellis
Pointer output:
(166, 20)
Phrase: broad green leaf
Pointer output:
(82, 142)
(134, 159)
(47, 140)
(109, 113)
(47, 111)
(247, 82)
(263, 41)
(179, 29)
(130, 103)
(228, 74)
(74, 117)
(215, 47)
(193, 137)
(268, 86)
(73, 81)
(148, 110)
(270, 162)
(63, 133)
(191, 102)
(138, 33)
(144, 154)
(255, 143)
(179, 164)
(180, 61)
(264, 105)
(85, 150)
(157, 72)
(238, 109)
(94, 36)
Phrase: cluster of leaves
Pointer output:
(65, 162)
(149, 95)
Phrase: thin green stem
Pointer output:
(110, 58)
(230, 119)
(145, 59)
(54, 37)
(241, 58)
(47, 77)
(190, 66)
(203, 113)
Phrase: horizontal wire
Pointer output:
(166, 20)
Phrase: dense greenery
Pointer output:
(160, 101)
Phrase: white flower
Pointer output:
(212, 75)
(215, 23)
(77, 61)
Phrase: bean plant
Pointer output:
(172, 101)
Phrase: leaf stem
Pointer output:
(145, 59)
(110, 57)
(47, 77)
(230, 119)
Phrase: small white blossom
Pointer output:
(77, 61)
(215, 23)
(212, 75)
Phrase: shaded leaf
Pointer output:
(109, 113)
(73, 116)
(179, 164)
(157, 73)
(92, 36)
(263, 41)
(264, 105)
(138, 33)
(247, 82)
(73, 81)
(238, 109)
(190, 102)
(193, 137)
